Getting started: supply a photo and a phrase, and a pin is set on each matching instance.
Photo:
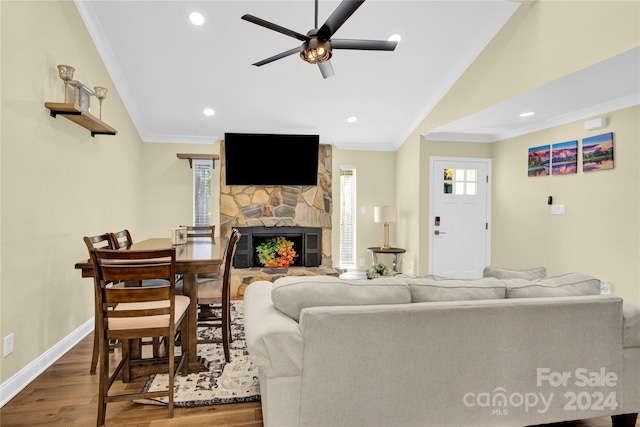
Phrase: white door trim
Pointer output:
(432, 160)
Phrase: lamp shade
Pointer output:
(384, 214)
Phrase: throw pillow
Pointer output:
(429, 289)
(570, 284)
(291, 295)
(505, 273)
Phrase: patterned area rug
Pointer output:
(233, 382)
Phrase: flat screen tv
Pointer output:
(271, 159)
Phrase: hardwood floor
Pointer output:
(65, 395)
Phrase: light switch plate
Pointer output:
(557, 210)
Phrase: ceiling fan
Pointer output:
(317, 44)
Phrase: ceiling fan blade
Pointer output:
(363, 44)
(275, 27)
(278, 56)
(326, 69)
(338, 17)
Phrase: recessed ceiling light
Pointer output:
(352, 119)
(395, 38)
(208, 112)
(196, 18)
(527, 114)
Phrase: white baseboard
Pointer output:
(19, 381)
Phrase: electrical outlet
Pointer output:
(8, 345)
(361, 262)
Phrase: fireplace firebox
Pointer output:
(307, 242)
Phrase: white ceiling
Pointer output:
(167, 71)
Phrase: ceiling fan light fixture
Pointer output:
(316, 51)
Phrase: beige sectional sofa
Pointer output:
(514, 348)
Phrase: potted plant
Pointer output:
(276, 252)
(378, 270)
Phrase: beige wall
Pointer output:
(58, 183)
(410, 202)
(1, 96)
(167, 184)
(375, 185)
(599, 234)
(544, 41)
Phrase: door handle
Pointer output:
(438, 232)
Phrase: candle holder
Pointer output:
(66, 74)
(101, 94)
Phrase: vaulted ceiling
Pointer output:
(168, 71)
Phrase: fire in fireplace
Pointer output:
(307, 242)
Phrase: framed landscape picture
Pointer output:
(539, 161)
(564, 158)
(597, 152)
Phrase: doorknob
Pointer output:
(438, 232)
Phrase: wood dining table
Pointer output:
(197, 255)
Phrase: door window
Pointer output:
(460, 182)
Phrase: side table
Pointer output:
(396, 252)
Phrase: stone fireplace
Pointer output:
(279, 209)
(307, 242)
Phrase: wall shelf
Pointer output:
(190, 157)
(81, 117)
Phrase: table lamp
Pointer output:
(384, 214)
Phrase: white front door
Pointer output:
(460, 235)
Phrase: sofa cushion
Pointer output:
(631, 324)
(292, 294)
(570, 284)
(426, 289)
(505, 273)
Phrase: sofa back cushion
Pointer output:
(426, 289)
(291, 295)
(570, 284)
(505, 273)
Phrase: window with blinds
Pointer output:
(347, 217)
(202, 177)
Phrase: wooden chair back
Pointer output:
(218, 293)
(200, 231)
(102, 241)
(121, 240)
(113, 266)
(226, 278)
